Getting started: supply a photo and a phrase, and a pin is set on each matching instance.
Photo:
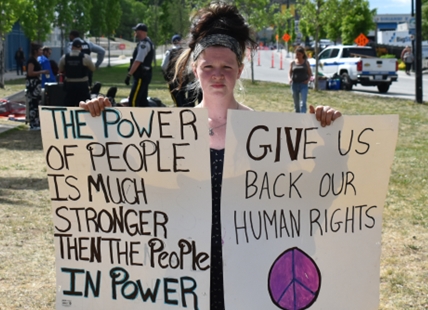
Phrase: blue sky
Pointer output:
(391, 6)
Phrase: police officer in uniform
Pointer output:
(75, 66)
(140, 68)
(87, 48)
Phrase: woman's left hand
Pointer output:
(95, 106)
(324, 114)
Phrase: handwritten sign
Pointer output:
(131, 207)
(302, 210)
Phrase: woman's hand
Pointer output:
(95, 106)
(324, 114)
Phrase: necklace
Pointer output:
(211, 129)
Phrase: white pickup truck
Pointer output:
(357, 65)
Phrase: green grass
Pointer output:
(27, 277)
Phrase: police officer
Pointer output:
(140, 68)
(87, 48)
(75, 66)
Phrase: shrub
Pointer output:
(380, 51)
(388, 56)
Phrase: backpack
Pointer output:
(174, 53)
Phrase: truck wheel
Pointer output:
(383, 88)
(346, 81)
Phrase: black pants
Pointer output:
(140, 90)
(90, 74)
(76, 92)
(19, 65)
(408, 66)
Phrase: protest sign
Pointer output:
(131, 207)
(302, 210)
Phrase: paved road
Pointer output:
(266, 70)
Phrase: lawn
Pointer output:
(27, 276)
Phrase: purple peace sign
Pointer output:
(294, 280)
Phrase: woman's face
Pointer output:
(217, 70)
(299, 55)
(39, 52)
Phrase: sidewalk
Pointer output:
(11, 75)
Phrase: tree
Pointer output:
(284, 23)
(424, 19)
(258, 14)
(99, 17)
(133, 12)
(312, 18)
(81, 17)
(112, 22)
(333, 23)
(36, 21)
(63, 19)
(11, 10)
(359, 19)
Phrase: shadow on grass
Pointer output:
(15, 191)
(20, 138)
(19, 184)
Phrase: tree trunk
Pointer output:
(1, 60)
(252, 67)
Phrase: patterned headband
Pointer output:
(217, 39)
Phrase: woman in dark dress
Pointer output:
(219, 37)
(34, 85)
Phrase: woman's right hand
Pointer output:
(95, 106)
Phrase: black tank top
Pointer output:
(300, 72)
(216, 289)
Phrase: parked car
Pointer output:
(323, 44)
(357, 65)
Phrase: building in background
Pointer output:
(397, 30)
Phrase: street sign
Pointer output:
(122, 46)
(286, 37)
(361, 40)
(277, 37)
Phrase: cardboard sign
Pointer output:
(302, 210)
(131, 207)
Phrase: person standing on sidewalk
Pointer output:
(299, 76)
(34, 86)
(408, 58)
(19, 58)
(140, 68)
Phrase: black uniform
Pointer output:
(76, 83)
(143, 52)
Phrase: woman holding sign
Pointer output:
(218, 39)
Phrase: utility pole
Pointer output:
(418, 39)
(413, 33)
